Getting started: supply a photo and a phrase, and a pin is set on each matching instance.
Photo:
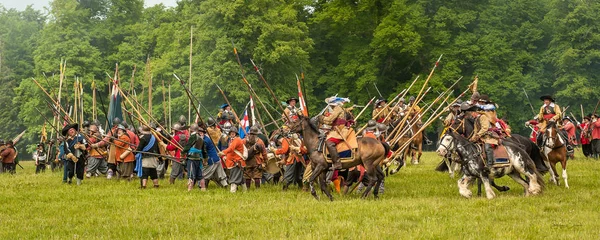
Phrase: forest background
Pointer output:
(341, 47)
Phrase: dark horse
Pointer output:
(370, 154)
(472, 165)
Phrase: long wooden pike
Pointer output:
(270, 90)
(365, 108)
(190, 73)
(164, 101)
(419, 96)
(170, 123)
(192, 98)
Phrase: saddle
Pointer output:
(346, 149)
(501, 158)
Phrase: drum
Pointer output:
(272, 167)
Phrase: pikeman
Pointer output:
(549, 112)
(180, 138)
(95, 159)
(40, 158)
(124, 154)
(371, 129)
(109, 139)
(584, 136)
(335, 126)
(213, 131)
(257, 158)
(234, 160)
(146, 162)
(291, 112)
(213, 170)
(196, 150)
(226, 118)
(291, 151)
(74, 149)
(483, 133)
(381, 110)
(454, 111)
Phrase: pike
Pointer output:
(270, 90)
(303, 86)
(365, 108)
(191, 98)
(376, 88)
(232, 110)
(250, 89)
(596, 108)
(529, 101)
(419, 97)
(582, 115)
(405, 118)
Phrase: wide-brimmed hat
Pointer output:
(485, 99)
(566, 118)
(549, 97)
(65, 129)
(224, 105)
(254, 130)
(457, 103)
(469, 108)
(290, 99)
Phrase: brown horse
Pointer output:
(554, 150)
(416, 146)
(370, 154)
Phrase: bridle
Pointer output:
(556, 138)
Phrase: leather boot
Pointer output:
(489, 155)
(335, 157)
(190, 184)
(171, 180)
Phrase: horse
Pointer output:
(472, 166)
(416, 146)
(370, 154)
(554, 150)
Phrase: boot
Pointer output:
(78, 182)
(202, 185)
(335, 157)
(489, 155)
(233, 188)
(171, 180)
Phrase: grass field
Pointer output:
(418, 203)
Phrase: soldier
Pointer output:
(8, 156)
(95, 158)
(213, 170)
(74, 148)
(584, 136)
(381, 110)
(257, 157)
(149, 163)
(482, 133)
(371, 129)
(196, 150)
(568, 130)
(235, 160)
(414, 111)
(291, 151)
(454, 111)
(291, 112)
(335, 126)
(549, 112)
(40, 159)
(124, 153)
(109, 139)
(595, 129)
(400, 109)
(213, 131)
(226, 118)
(179, 139)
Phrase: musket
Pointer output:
(596, 108)
(574, 118)
(582, 115)
(376, 88)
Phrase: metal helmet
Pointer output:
(124, 123)
(254, 130)
(86, 124)
(116, 121)
(211, 121)
(382, 127)
(371, 125)
(402, 99)
(194, 127)
(411, 99)
(177, 127)
(182, 120)
(234, 130)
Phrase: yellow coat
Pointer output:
(544, 122)
(481, 131)
(329, 118)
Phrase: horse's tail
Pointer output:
(540, 178)
(536, 156)
(442, 167)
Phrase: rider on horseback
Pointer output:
(381, 110)
(549, 112)
(485, 133)
(336, 125)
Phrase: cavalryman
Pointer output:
(334, 123)
(291, 112)
(482, 133)
(454, 111)
(400, 109)
(414, 111)
(550, 111)
(381, 110)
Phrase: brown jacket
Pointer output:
(481, 131)
(8, 155)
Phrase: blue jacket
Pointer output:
(212, 151)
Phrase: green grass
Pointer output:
(419, 203)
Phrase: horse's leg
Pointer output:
(500, 188)
(564, 172)
(489, 192)
(550, 167)
(380, 176)
(479, 183)
(419, 153)
(463, 186)
(515, 175)
(324, 187)
(555, 178)
(311, 180)
(371, 173)
(400, 164)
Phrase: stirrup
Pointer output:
(428, 142)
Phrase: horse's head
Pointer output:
(447, 143)
(303, 123)
(551, 135)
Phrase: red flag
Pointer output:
(301, 100)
